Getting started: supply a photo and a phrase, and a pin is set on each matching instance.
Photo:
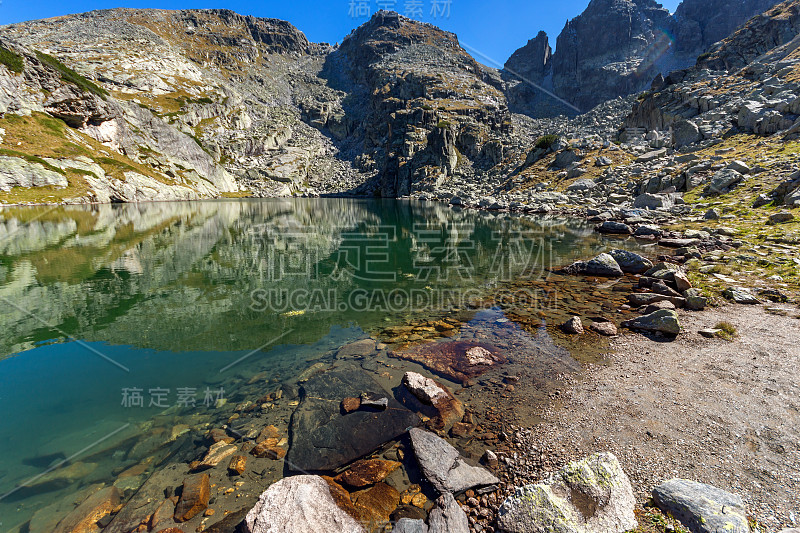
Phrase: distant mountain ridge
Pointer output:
(616, 47)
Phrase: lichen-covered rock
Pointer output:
(702, 508)
(664, 321)
(587, 496)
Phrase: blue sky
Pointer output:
(492, 30)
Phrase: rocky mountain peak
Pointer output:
(532, 61)
(616, 48)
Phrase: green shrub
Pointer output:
(12, 60)
(727, 331)
(70, 76)
(444, 124)
(545, 142)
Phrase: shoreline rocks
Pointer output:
(702, 508)
(584, 497)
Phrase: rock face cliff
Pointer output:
(216, 102)
(616, 47)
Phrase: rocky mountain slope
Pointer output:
(616, 47)
(131, 105)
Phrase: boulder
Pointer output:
(684, 133)
(664, 321)
(580, 185)
(446, 408)
(444, 467)
(723, 180)
(648, 231)
(780, 218)
(653, 201)
(448, 516)
(603, 265)
(640, 299)
(739, 166)
(573, 326)
(587, 496)
(565, 158)
(631, 262)
(695, 301)
(324, 439)
(740, 296)
(299, 504)
(702, 508)
(615, 228)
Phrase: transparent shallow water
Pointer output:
(177, 305)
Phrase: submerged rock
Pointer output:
(587, 496)
(324, 439)
(85, 517)
(443, 465)
(702, 508)
(194, 497)
(367, 472)
(408, 525)
(664, 321)
(456, 360)
(300, 504)
(603, 266)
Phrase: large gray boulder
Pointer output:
(603, 265)
(16, 172)
(685, 132)
(653, 201)
(723, 180)
(631, 262)
(443, 465)
(300, 504)
(587, 496)
(740, 296)
(702, 508)
(448, 516)
(664, 321)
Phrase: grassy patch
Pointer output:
(727, 331)
(70, 76)
(12, 60)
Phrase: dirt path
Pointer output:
(724, 413)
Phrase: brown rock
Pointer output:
(164, 513)
(573, 326)
(367, 472)
(269, 432)
(341, 497)
(237, 465)
(351, 404)
(216, 454)
(84, 518)
(375, 505)
(462, 430)
(456, 360)
(267, 450)
(219, 435)
(682, 282)
(194, 498)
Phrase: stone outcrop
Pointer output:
(584, 497)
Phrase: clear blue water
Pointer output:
(203, 296)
